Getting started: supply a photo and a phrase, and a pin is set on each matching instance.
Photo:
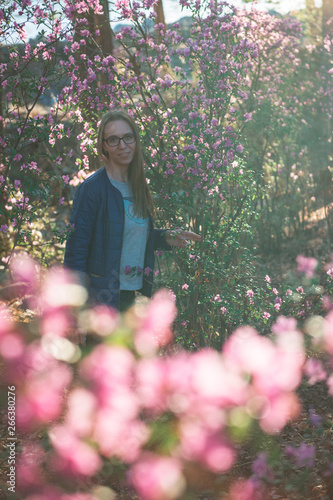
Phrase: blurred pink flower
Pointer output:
(29, 473)
(278, 411)
(157, 477)
(244, 489)
(199, 443)
(56, 322)
(284, 324)
(215, 380)
(314, 370)
(72, 456)
(41, 398)
(155, 328)
(306, 265)
(109, 372)
(82, 407)
(328, 333)
(103, 320)
(61, 289)
(152, 384)
(119, 435)
(329, 382)
(25, 269)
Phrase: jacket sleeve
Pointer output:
(159, 240)
(84, 214)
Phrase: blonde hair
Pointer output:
(143, 200)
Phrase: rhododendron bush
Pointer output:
(119, 407)
(220, 125)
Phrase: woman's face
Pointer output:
(122, 154)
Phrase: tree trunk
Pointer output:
(159, 11)
(327, 15)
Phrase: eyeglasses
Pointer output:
(114, 141)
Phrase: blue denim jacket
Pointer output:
(94, 246)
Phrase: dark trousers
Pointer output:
(126, 299)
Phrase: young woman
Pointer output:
(112, 216)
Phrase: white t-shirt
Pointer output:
(134, 241)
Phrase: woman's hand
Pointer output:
(178, 238)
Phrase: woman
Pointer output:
(113, 242)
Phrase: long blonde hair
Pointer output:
(143, 200)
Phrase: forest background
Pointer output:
(235, 109)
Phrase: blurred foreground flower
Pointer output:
(121, 401)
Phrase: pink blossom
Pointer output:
(42, 398)
(147, 271)
(155, 329)
(118, 434)
(185, 286)
(306, 265)
(29, 473)
(267, 279)
(328, 333)
(250, 293)
(61, 289)
(24, 269)
(329, 382)
(4, 228)
(278, 411)
(65, 179)
(62, 201)
(266, 315)
(72, 457)
(208, 369)
(157, 477)
(245, 489)
(82, 406)
(103, 320)
(198, 443)
(223, 310)
(284, 324)
(314, 370)
(300, 289)
(109, 369)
